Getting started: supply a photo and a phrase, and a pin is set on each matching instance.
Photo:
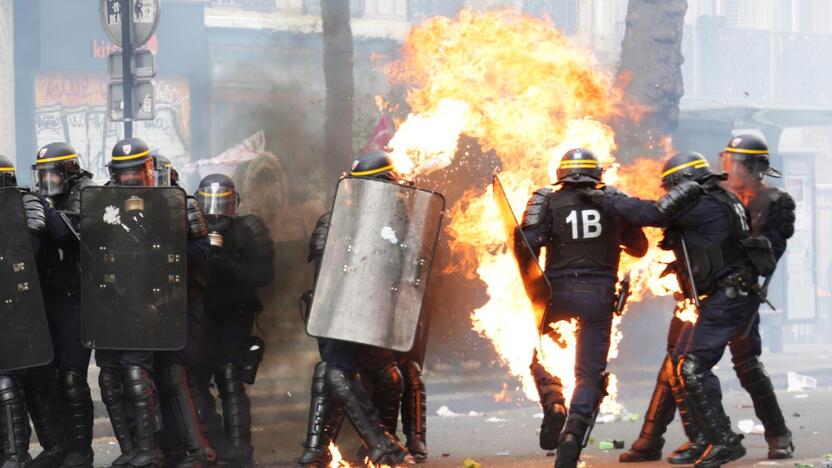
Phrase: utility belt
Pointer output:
(740, 283)
(583, 288)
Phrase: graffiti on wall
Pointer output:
(72, 107)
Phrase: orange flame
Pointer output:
(339, 462)
(523, 90)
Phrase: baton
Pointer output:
(68, 223)
(689, 270)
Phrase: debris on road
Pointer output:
(470, 463)
(446, 412)
(799, 382)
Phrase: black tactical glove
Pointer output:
(678, 198)
(35, 214)
(197, 227)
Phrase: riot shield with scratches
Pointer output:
(134, 268)
(376, 263)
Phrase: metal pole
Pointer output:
(126, 69)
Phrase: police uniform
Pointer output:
(337, 389)
(241, 262)
(772, 212)
(710, 224)
(126, 377)
(59, 267)
(45, 227)
(583, 244)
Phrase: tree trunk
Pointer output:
(651, 75)
(337, 35)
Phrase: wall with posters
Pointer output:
(60, 56)
(73, 108)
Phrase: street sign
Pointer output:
(145, 19)
(143, 101)
(142, 64)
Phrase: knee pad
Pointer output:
(691, 371)
(174, 376)
(74, 383)
(752, 374)
(10, 390)
(339, 382)
(389, 381)
(228, 379)
(412, 373)
(109, 380)
(319, 378)
(137, 383)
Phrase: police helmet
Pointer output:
(131, 163)
(688, 165)
(579, 165)
(7, 174)
(749, 151)
(55, 165)
(218, 197)
(376, 164)
(163, 170)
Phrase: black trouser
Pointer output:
(590, 300)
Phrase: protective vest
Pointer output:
(244, 263)
(711, 263)
(582, 234)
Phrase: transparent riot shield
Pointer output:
(534, 281)
(134, 268)
(24, 332)
(376, 263)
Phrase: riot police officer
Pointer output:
(242, 260)
(336, 386)
(745, 160)
(66, 432)
(707, 227)
(772, 210)
(583, 245)
(43, 225)
(125, 378)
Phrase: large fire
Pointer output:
(523, 90)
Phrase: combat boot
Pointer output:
(141, 396)
(756, 381)
(724, 445)
(112, 395)
(14, 424)
(236, 415)
(198, 452)
(414, 410)
(550, 390)
(648, 446)
(325, 418)
(382, 447)
(387, 395)
(79, 415)
(572, 440)
(42, 401)
(690, 451)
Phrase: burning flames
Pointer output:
(520, 88)
(339, 462)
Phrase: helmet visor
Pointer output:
(217, 200)
(49, 181)
(161, 176)
(135, 176)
